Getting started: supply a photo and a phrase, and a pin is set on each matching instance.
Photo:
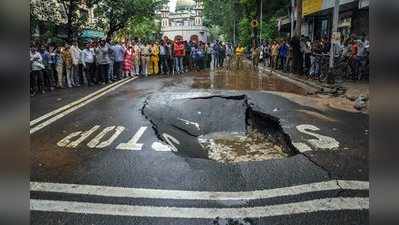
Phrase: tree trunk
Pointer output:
(71, 11)
(298, 26)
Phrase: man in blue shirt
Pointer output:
(283, 52)
(119, 54)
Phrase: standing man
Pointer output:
(171, 59)
(255, 57)
(47, 75)
(229, 56)
(283, 52)
(222, 54)
(111, 61)
(136, 58)
(37, 82)
(145, 58)
(59, 67)
(88, 64)
(163, 53)
(103, 60)
(154, 67)
(239, 55)
(179, 52)
(75, 54)
(68, 62)
(119, 55)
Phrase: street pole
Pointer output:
(292, 17)
(234, 35)
(334, 31)
(330, 75)
(261, 20)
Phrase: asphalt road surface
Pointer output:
(126, 154)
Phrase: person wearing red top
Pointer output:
(179, 52)
(128, 61)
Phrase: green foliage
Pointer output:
(119, 12)
(139, 27)
(269, 29)
(230, 13)
(245, 31)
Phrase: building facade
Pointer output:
(318, 16)
(185, 22)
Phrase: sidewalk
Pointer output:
(346, 94)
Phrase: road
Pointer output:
(99, 156)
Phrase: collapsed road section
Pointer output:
(224, 128)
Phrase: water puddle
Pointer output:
(244, 80)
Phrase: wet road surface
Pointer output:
(107, 161)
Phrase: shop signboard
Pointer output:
(313, 6)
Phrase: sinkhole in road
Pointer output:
(226, 129)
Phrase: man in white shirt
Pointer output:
(87, 58)
(75, 53)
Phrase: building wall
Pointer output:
(171, 33)
(360, 22)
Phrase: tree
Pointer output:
(119, 12)
(229, 13)
(142, 27)
(73, 17)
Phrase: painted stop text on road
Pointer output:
(100, 138)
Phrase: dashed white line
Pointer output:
(328, 204)
(108, 191)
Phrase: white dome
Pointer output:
(184, 4)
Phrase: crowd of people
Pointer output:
(305, 57)
(103, 61)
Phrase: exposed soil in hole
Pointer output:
(241, 147)
(242, 135)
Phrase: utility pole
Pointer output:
(334, 32)
(261, 20)
(292, 13)
(334, 37)
(298, 27)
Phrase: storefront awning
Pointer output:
(92, 34)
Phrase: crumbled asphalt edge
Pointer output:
(279, 134)
(289, 148)
(147, 118)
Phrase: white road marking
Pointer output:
(190, 123)
(132, 145)
(66, 142)
(61, 115)
(35, 121)
(302, 147)
(328, 204)
(196, 195)
(108, 142)
(95, 142)
(322, 142)
(171, 141)
(161, 147)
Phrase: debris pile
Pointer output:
(241, 147)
